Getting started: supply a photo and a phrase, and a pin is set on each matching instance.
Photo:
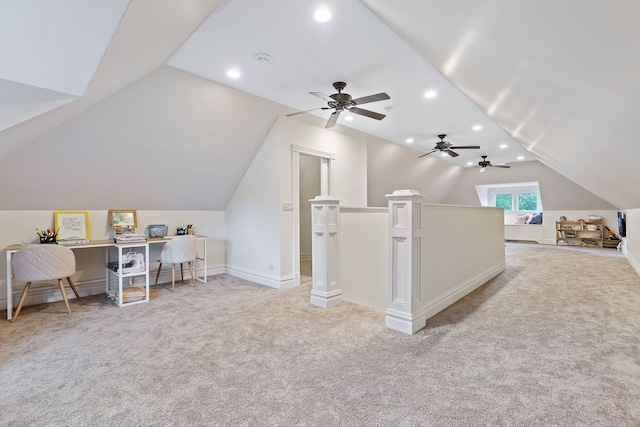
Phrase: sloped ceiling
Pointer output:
(557, 77)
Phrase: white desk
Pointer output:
(12, 249)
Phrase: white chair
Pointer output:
(178, 250)
(44, 262)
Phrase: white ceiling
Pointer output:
(559, 78)
(50, 55)
(354, 46)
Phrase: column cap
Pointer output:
(403, 193)
(325, 199)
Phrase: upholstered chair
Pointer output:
(178, 250)
(44, 262)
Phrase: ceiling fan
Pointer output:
(343, 102)
(446, 147)
(484, 163)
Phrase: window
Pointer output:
(523, 202)
(527, 202)
(504, 201)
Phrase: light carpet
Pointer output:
(554, 340)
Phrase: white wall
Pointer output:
(168, 141)
(253, 218)
(392, 166)
(557, 192)
(462, 248)
(90, 272)
(363, 268)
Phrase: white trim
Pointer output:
(443, 301)
(632, 260)
(296, 150)
(326, 299)
(270, 280)
(404, 322)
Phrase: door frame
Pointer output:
(326, 189)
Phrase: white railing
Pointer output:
(412, 259)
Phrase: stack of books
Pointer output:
(130, 238)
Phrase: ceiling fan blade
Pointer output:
(306, 111)
(367, 113)
(457, 147)
(451, 153)
(426, 154)
(322, 96)
(484, 168)
(498, 165)
(371, 98)
(332, 119)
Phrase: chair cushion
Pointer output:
(43, 262)
(179, 249)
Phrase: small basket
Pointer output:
(48, 239)
(157, 230)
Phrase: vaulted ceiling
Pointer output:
(554, 81)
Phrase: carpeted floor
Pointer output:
(554, 340)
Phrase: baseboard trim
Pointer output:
(271, 280)
(404, 322)
(632, 260)
(444, 300)
(41, 293)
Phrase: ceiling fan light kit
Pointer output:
(340, 102)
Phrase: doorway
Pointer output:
(309, 178)
(312, 176)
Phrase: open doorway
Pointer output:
(312, 176)
(309, 178)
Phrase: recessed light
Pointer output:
(469, 163)
(504, 145)
(322, 15)
(444, 154)
(408, 140)
(520, 157)
(234, 74)
(348, 118)
(430, 94)
(477, 127)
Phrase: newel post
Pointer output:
(325, 228)
(405, 238)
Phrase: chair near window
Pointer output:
(179, 250)
(44, 262)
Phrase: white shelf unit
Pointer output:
(121, 286)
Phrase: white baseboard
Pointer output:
(444, 300)
(632, 260)
(44, 293)
(404, 322)
(271, 280)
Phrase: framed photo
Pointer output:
(72, 225)
(123, 218)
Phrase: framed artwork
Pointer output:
(123, 218)
(72, 225)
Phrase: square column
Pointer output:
(405, 238)
(325, 228)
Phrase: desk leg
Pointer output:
(9, 286)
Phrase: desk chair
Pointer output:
(44, 262)
(178, 250)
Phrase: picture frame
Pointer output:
(123, 218)
(71, 225)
